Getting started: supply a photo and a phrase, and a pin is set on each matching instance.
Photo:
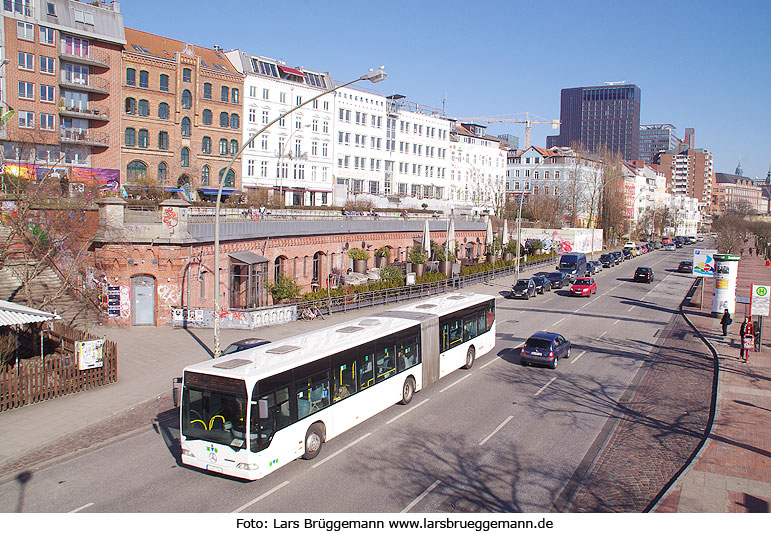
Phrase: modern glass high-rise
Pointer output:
(655, 138)
(600, 118)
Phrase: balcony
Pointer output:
(91, 83)
(84, 137)
(90, 112)
(95, 57)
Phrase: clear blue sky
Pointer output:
(702, 64)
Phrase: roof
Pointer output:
(138, 42)
(12, 313)
(725, 178)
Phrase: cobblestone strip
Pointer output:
(659, 427)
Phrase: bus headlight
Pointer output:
(247, 466)
(186, 452)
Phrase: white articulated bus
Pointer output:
(248, 413)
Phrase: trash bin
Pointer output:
(410, 278)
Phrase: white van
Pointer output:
(629, 245)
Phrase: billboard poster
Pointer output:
(89, 353)
(703, 262)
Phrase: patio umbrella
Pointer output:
(505, 236)
(451, 236)
(489, 232)
(426, 241)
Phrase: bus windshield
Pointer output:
(214, 416)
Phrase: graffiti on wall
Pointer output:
(170, 217)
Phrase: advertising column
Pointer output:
(724, 291)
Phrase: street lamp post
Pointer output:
(374, 76)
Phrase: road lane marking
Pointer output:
(258, 499)
(496, 430)
(79, 508)
(605, 332)
(343, 449)
(545, 385)
(395, 418)
(573, 361)
(630, 309)
(419, 497)
(456, 382)
(617, 321)
(559, 321)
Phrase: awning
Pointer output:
(11, 313)
(248, 257)
(292, 71)
(213, 191)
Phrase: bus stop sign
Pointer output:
(759, 301)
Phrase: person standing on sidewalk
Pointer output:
(725, 321)
(745, 332)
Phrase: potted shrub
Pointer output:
(418, 259)
(510, 251)
(493, 250)
(446, 258)
(284, 288)
(382, 256)
(359, 257)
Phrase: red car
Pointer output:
(583, 287)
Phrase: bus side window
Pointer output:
(408, 354)
(444, 338)
(456, 333)
(481, 323)
(386, 361)
(343, 375)
(366, 364)
(490, 314)
(469, 327)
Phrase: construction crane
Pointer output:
(526, 120)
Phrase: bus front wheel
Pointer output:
(408, 390)
(470, 358)
(313, 441)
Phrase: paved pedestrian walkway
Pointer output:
(732, 472)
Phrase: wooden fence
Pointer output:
(34, 379)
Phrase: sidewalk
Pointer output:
(732, 472)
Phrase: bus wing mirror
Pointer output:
(263, 408)
(175, 387)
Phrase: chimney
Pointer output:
(690, 136)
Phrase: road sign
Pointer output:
(759, 301)
(703, 263)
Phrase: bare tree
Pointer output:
(546, 210)
(730, 233)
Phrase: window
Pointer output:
(47, 65)
(223, 147)
(225, 94)
(47, 122)
(230, 180)
(131, 106)
(164, 83)
(163, 111)
(26, 119)
(184, 157)
(206, 117)
(136, 170)
(144, 107)
(47, 36)
(26, 90)
(25, 31)
(265, 94)
(187, 99)
(47, 93)
(187, 75)
(143, 139)
(312, 387)
(207, 90)
(233, 146)
(205, 175)
(131, 75)
(162, 170)
(26, 61)
(130, 137)
(224, 119)
(234, 94)
(144, 79)
(163, 140)
(185, 127)
(234, 121)
(206, 145)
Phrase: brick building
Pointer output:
(63, 80)
(738, 193)
(181, 112)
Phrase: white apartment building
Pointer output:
(650, 189)
(558, 172)
(294, 158)
(687, 214)
(477, 170)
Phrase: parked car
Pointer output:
(523, 288)
(544, 348)
(583, 287)
(685, 267)
(628, 252)
(597, 266)
(590, 268)
(244, 344)
(541, 284)
(643, 274)
(618, 256)
(607, 260)
(678, 242)
(558, 279)
(629, 245)
(669, 247)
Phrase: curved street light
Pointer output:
(373, 76)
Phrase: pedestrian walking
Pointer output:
(750, 252)
(747, 334)
(725, 321)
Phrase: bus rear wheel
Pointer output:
(408, 390)
(314, 438)
(470, 358)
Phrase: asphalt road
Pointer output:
(501, 437)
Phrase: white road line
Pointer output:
(79, 508)
(456, 382)
(420, 497)
(574, 360)
(258, 499)
(496, 430)
(343, 449)
(617, 321)
(395, 418)
(490, 362)
(559, 321)
(545, 385)
(605, 332)
(630, 309)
